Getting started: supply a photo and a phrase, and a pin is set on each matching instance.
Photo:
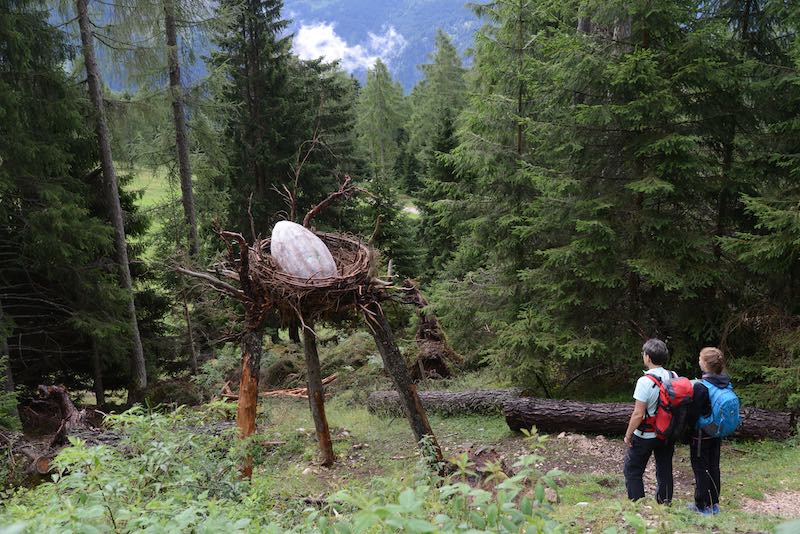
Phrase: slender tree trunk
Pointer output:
(8, 378)
(316, 397)
(138, 381)
(248, 390)
(395, 365)
(99, 389)
(189, 334)
(179, 118)
(294, 332)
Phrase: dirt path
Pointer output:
(592, 455)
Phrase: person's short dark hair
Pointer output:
(657, 350)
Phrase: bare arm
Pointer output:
(638, 415)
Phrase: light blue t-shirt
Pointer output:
(647, 392)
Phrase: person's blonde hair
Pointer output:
(714, 359)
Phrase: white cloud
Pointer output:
(321, 40)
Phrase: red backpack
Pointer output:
(674, 398)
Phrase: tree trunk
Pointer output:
(446, 402)
(99, 389)
(316, 396)
(138, 382)
(179, 118)
(294, 332)
(190, 335)
(7, 378)
(612, 418)
(395, 365)
(248, 390)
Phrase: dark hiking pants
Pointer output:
(636, 460)
(705, 464)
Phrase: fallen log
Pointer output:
(489, 401)
(550, 415)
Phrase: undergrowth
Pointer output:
(177, 472)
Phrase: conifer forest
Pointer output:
(503, 237)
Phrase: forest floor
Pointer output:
(760, 484)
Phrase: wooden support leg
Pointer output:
(248, 391)
(396, 366)
(316, 397)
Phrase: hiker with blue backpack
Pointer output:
(713, 414)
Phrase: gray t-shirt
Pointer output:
(647, 392)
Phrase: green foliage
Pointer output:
(63, 297)
(9, 417)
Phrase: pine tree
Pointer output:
(60, 292)
(767, 246)
(138, 382)
(263, 129)
(380, 116)
(437, 101)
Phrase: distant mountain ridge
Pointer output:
(400, 31)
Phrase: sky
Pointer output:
(320, 39)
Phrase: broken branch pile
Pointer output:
(297, 393)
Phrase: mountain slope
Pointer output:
(401, 32)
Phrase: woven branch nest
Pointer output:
(320, 298)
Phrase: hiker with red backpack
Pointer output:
(713, 415)
(659, 414)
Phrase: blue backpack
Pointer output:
(724, 418)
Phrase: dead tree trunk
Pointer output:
(248, 390)
(138, 382)
(488, 401)
(612, 418)
(395, 365)
(179, 118)
(189, 335)
(316, 396)
(97, 368)
(7, 378)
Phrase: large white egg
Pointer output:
(298, 252)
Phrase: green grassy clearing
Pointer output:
(376, 450)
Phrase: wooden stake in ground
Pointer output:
(248, 390)
(395, 365)
(316, 396)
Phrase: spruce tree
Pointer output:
(60, 291)
(380, 114)
(262, 131)
(138, 382)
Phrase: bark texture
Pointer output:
(248, 390)
(316, 397)
(395, 365)
(138, 382)
(488, 401)
(612, 418)
(179, 119)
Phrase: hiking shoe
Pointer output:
(715, 509)
(700, 510)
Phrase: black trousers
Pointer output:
(705, 464)
(636, 460)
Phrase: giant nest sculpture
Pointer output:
(328, 294)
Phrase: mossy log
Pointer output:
(550, 415)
